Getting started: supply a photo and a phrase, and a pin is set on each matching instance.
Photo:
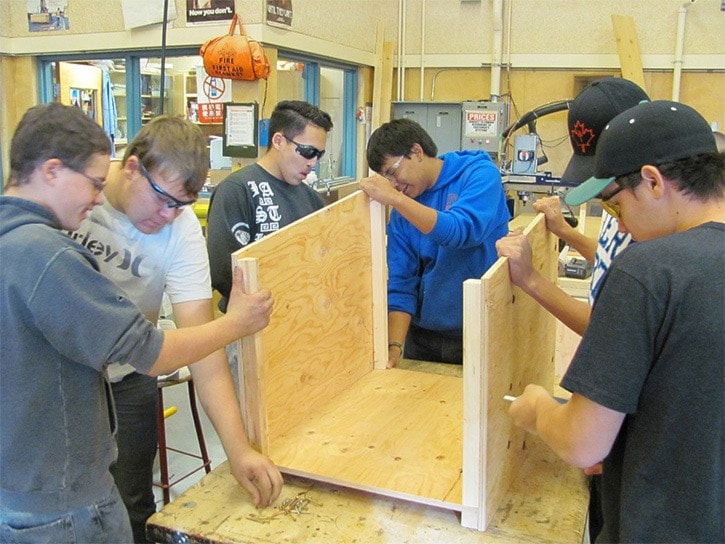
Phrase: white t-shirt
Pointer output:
(173, 260)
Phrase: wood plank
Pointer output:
(378, 78)
(395, 432)
(379, 286)
(321, 333)
(517, 347)
(248, 351)
(628, 49)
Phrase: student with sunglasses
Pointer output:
(270, 194)
(149, 242)
(448, 212)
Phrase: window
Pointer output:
(123, 93)
(134, 84)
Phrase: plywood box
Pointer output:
(318, 400)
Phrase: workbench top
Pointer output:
(546, 504)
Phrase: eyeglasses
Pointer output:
(390, 172)
(306, 151)
(170, 201)
(610, 207)
(98, 184)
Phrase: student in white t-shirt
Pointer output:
(148, 240)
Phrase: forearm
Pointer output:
(586, 246)
(398, 323)
(570, 311)
(215, 386)
(421, 217)
(581, 432)
(181, 348)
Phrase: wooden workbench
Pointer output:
(546, 504)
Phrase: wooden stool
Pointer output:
(165, 484)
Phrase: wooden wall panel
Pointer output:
(320, 339)
(509, 342)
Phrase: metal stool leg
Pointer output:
(197, 426)
(164, 448)
(163, 460)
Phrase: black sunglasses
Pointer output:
(306, 151)
(170, 201)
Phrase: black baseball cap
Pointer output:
(589, 113)
(650, 133)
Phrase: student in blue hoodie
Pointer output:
(447, 213)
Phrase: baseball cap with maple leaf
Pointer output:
(599, 102)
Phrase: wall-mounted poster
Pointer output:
(211, 93)
(137, 13)
(279, 13)
(209, 11)
(44, 15)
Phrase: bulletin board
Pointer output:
(241, 133)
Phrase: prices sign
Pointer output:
(479, 123)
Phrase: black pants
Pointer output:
(427, 345)
(136, 400)
(596, 520)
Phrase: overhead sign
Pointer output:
(279, 13)
(209, 11)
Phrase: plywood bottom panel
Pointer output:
(396, 432)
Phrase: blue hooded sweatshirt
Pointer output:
(426, 271)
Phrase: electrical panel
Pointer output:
(525, 161)
(442, 120)
(482, 125)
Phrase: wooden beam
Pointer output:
(628, 49)
(247, 358)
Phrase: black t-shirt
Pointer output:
(655, 350)
(248, 205)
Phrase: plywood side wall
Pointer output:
(321, 335)
(515, 346)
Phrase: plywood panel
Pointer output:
(320, 338)
(516, 346)
(396, 432)
(331, 415)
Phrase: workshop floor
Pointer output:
(180, 434)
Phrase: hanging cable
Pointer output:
(162, 90)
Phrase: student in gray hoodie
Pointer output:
(61, 321)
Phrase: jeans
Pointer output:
(136, 400)
(426, 345)
(105, 522)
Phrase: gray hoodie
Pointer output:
(60, 322)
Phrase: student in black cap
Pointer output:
(589, 113)
(647, 380)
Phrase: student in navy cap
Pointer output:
(589, 113)
(647, 380)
